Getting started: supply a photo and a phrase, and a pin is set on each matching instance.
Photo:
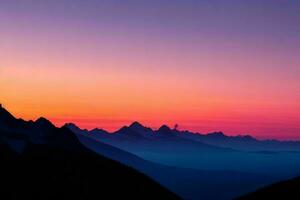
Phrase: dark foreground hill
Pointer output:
(51, 173)
(40, 161)
(287, 190)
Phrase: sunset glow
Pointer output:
(216, 67)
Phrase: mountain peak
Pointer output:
(165, 131)
(246, 137)
(136, 125)
(71, 125)
(43, 122)
(98, 130)
(3, 111)
(5, 116)
(164, 128)
(217, 134)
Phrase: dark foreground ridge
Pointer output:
(288, 190)
(40, 161)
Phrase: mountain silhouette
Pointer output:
(69, 162)
(200, 183)
(241, 142)
(139, 127)
(137, 137)
(165, 131)
(129, 132)
(206, 160)
(53, 164)
(288, 190)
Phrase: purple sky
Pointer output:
(206, 65)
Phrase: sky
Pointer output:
(209, 65)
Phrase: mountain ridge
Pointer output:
(54, 164)
(217, 138)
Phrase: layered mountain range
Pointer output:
(41, 161)
(211, 160)
(137, 131)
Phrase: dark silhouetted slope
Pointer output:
(286, 190)
(53, 164)
(44, 172)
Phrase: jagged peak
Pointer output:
(97, 130)
(218, 133)
(247, 137)
(4, 112)
(122, 129)
(42, 119)
(136, 124)
(44, 122)
(71, 125)
(164, 128)
(139, 127)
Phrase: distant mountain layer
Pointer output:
(73, 163)
(288, 190)
(201, 163)
(40, 161)
(137, 131)
(187, 183)
(214, 151)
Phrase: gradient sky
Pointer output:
(207, 65)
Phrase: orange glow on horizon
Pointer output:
(162, 66)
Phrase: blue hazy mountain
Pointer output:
(219, 139)
(242, 142)
(40, 161)
(205, 152)
(210, 160)
(81, 161)
(188, 183)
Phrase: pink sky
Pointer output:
(226, 70)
